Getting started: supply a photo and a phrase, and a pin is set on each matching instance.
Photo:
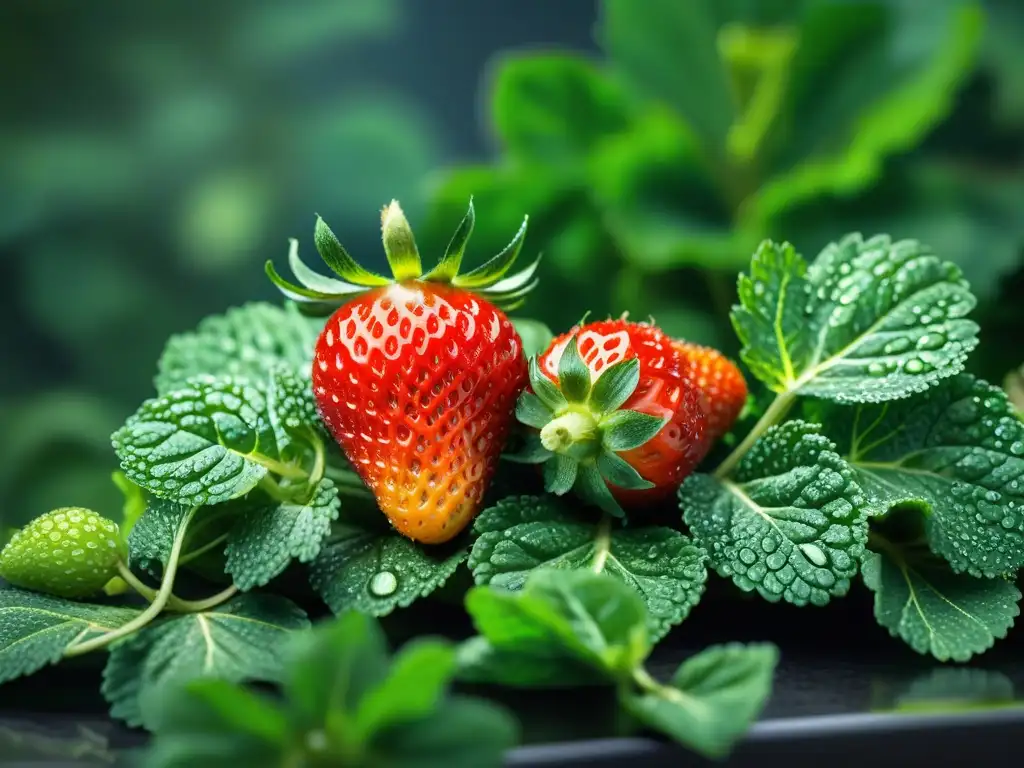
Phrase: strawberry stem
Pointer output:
(775, 413)
(569, 429)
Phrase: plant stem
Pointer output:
(602, 544)
(195, 553)
(159, 601)
(319, 458)
(278, 467)
(133, 581)
(198, 606)
(348, 483)
(772, 416)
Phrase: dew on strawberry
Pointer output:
(416, 376)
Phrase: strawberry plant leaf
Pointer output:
(577, 619)
(150, 540)
(243, 639)
(36, 628)
(791, 523)
(271, 534)
(521, 534)
(206, 443)
(919, 599)
(956, 450)
(711, 699)
(291, 404)
(868, 321)
(243, 343)
(373, 569)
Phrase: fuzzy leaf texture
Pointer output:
(271, 534)
(790, 523)
(521, 534)
(150, 540)
(562, 628)
(35, 628)
(292, 407)
(951, 616)
(201, 444)
(243, 343)
(958, 451)
(868, 321)
(711, 699)
(367, 567)
(243, 639)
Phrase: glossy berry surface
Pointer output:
(722, 386)
(70, 552)
(663, 391)
(417, 382)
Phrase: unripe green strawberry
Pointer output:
(69, 552)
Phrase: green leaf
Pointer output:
(957, 449)
(919, 599)
(573, 374)
(241, 640)
(150, 540)
(791, 523)
(652, 42)
(712, 699)
(242, 343)
(205, 443)
(375, 570)
(272, 534)
(537, 665)
(534, 334)
(521, 534)
(207, 721)
(36, 628)
(614, 386)
(461, 733)
(870, 320)
(291, 405)
(555, 107)
(593, 619)
(626, 430)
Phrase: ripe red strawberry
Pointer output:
(619, 420)
(722, 386)
(417, 377)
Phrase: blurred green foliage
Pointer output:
(652, 171)
(152, 157)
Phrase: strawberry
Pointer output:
(416, 377)
(722, 386)
(618, 419)
(70, 552)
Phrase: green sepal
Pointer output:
(573, 374)
(560, 473)
(544, 388)
(400, 244)
(618, 471)
(447, 268)
(591, 486)
(626, 430)
(615, 385)
(315, 281)
(296, 292)
(338, 260)
(530, 452)
(532, 411)
(491, 271)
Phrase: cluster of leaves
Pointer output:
(794, 120)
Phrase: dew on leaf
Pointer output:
(383, 584)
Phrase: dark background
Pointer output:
(154, 155)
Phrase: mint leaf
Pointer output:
(292, 407)
(958, 449)
(271, 534)
(555, 107)
(36, 628)
(243, 639)
(868, 321)
(712, 698)
(791, 523)
(150, 540)
(243, 343)
(204, 443)
(576, 620)
(520, 534)
(373, 569)
(201, 722)
(919, 599)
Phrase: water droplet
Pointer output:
(876, 369)
(383, 584)
(814, 554)
(914, 366)
(1017, 448)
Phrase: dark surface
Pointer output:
(845, 694)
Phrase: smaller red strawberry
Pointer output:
(720, 382)
(617, 419)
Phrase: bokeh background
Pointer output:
(154, 155)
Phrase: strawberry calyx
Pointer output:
(318, 294)
(580, 428)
